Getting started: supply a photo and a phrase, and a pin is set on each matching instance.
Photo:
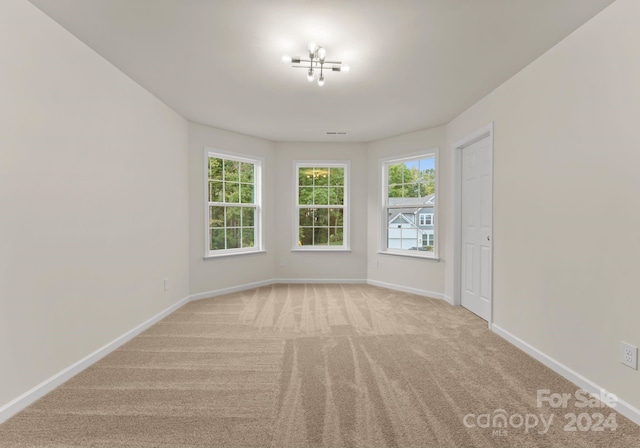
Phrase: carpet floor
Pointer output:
(298, 366)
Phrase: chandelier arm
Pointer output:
(306, 66)
(300, 61)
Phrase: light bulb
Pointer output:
(286, 58)
(312, 47)
(345, 68)
(310, 75)
(322, 53)
(321, 81)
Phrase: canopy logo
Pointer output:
(500, 421)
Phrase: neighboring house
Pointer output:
(411, 227)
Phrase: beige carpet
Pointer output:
(314, 365)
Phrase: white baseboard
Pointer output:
(358, 281)
(220, 292)
(624, 408)
(39, 391)
(273, 281)
(420, 292)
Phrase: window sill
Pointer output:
(399, 254)
(235, 254)
(320, 249)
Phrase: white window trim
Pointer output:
(346, 218)
(384, 224)
(259, 166)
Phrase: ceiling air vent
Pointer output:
(336, 133)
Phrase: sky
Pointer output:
(423, 164)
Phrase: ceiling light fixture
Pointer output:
(317, 60)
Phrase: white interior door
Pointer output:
(475, 267)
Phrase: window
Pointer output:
(409, 209)
(426, 219)
(233, 204)
(427, 240)
(321, 218)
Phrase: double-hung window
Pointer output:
(409, 192)
(233, 207)
(426, 219)
(322, 213)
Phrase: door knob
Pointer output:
(488, 238)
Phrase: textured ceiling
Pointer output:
(414, 63)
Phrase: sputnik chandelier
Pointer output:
(316, 62)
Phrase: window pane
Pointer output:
(215, 168)
(232, 192)
(395, 191)
(335, 216)
(231, 170)
(233, 238)
(246, 172)
(395, 174)
(336, 176)
(320, 196)
(402, 229)
(411, 191)
(422, 189)
(335, 236)
(215, 192)
(336, 195)
(305, 237)
(306, 217)
(233, 217)
(321, 216)
(427, 176)
(305, 196)
(216, 216)
(246, 193)
(248, 237)
(248, 216)
(305, 176)
(217, 239)
(321, 176)
(320, 236)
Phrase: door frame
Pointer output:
(484, 132)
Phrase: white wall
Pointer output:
(567, 157)
(325, 265)
(424, 275)
(93, 200)
(226, 272)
